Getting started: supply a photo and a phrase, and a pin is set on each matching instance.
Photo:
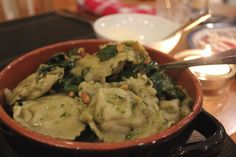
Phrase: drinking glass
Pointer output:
(181, 11)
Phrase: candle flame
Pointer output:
(207, 51)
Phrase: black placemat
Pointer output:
(229, 149)
(22, 35)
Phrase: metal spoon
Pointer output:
(191, 24)
(226, 57)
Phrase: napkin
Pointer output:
(106, 7)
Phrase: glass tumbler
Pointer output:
(181, 11)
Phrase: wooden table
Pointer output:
(222, 106)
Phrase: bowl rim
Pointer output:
(97, 29)
(76, 145)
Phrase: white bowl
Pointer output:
(147, 29)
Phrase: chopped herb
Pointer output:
(148, 83)
(63, 114)
(85, 71)
(20, 100)
(72, 52)
(45, 69)
(128, 136)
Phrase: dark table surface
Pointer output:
(22, 35)
(229, 149)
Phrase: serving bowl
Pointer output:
(165, 143)
(148, 29)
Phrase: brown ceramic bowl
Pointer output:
(161, 143)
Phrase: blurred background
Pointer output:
(11, 9)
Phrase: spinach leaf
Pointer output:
(45, 69)
(64, 60)
(67, 65)
(57, 59)
(68, 83)
(107, 52)
(166, 88)
(180, 93)
(130, 70)
(87, 135)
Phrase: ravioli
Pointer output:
(143, 87)
(55, 115)
(95, 70)
(170, 110)
(34, 86)
(117, 114)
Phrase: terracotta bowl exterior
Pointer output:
(17, 70)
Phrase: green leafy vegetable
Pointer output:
(73, 52)
(107, 52)
(166, 88)
(57, 59)
(68, 83)
(64, 60)
(130, 70)
(87, 135)
(45, 69)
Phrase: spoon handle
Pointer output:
(227, 57)
(191, 24)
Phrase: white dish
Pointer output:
(147, 29)
(219, 36)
